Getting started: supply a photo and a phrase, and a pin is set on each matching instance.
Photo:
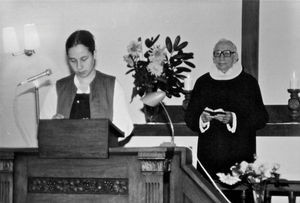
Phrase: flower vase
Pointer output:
(152, 114)
(259, 192)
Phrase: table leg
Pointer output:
(268, 197)
(292, 198)
(243, 196)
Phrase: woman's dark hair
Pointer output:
(83, 37)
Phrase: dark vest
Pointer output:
(100, 98)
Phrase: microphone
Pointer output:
(33, 78)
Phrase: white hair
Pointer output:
(233, 46)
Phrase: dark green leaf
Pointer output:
(176, 94)
(183, 56)
(190, 64)
(175, 62)
(176, 42)
(162, 80)
(134, 93)
(177, 81)
(169, 44)
(156, 38)
(181, 46)
(148, 43)
(182, 69)
(141, 92)
(179, 55)
(129, 71)
(146, 55)
(181, 76)
(187, 56)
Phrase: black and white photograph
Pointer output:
(149, 101)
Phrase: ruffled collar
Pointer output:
(233, 72)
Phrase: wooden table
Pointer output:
(291, 189)
(240, 188)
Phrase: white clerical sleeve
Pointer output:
(232, 128)
(121, 116)
(48, 109)
(203, 126)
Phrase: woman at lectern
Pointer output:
(87, 93)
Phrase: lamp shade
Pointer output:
(153, 98)
(31, 37)
(10, 42)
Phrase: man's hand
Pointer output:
(206, 117)
(224, 118)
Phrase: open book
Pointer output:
(214, 112)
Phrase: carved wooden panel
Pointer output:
(6, 165)
(4, 191)
(6, 183)
(32, 176)
(115, 186)
(154, 161)
(154, 166)
(153, 192)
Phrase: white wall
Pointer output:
(279, 39)
(278, 57)
(114, 23)
(279, 50)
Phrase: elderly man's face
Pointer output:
(224, 56)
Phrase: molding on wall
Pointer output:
(250, 36)
(280, 124)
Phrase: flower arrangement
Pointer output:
(160, 67)
(253, 174)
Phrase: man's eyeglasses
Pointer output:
(226, 53)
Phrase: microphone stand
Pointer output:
(172, 143)
(37, 101)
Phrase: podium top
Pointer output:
(76, 138)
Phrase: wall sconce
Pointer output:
(31, 40)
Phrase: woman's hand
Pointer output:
(58, 116)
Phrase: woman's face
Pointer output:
(81, 60)
(224, 62)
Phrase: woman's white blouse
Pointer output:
(121, 116)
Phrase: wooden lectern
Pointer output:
(74, 138)
(75, 164)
